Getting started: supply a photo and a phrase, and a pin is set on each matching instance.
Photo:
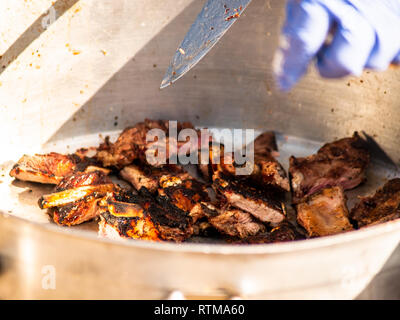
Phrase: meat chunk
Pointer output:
(147, 176)
(324, 213)
(182, 192)
(264, 204)
(75, 198)
(265, 145)
(132, 144)
(141, 217)
(124, 216)
(228, 220)
(52, 168)
(383, 206)
(266, 169)
(270, 172)
(340, 163)
(284, 232)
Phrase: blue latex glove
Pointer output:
(365, 34)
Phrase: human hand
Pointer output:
(365, 34)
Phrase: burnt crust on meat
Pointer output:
(270, 172)
(228, 220)
(183, 192)
(340, 163)
(264, 204)
(66, 208)
(266, 169)
(324, 213)
(125, 215)
(152, 219)
(284, 232)
(381, 207)
(76, 212)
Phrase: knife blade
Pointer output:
(216, 17)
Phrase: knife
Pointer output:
(214, 20)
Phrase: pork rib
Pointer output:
(75, 198)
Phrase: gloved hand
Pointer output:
(365, 34)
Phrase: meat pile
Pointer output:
(166, 203)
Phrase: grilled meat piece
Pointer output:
(267, 170)
(383, 206)
(265, 145)
(228, 220)
(72, 195)
(270, 172)
(124, 216)
(284, 232)
(148, 176)
(52, 168)
(201, 225)
(141, 217)
(264, 204)
(76, 197)
(340, 163)
(182, 191)
(132, 145)
(324, 213)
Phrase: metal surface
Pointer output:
(114, 82)
(214, 20)
(293, 270)
(88, 267)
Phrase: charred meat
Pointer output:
(132, 144)
(185, 193)
(324, 213)
(267, 171)
(75, 198)
(182, 192)
(140, 217)
(52, 168)
(124, 216)
(383, 206)
(340, 163)
(264, 204)
(284, 232)
(169, 204)
(228, 220)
